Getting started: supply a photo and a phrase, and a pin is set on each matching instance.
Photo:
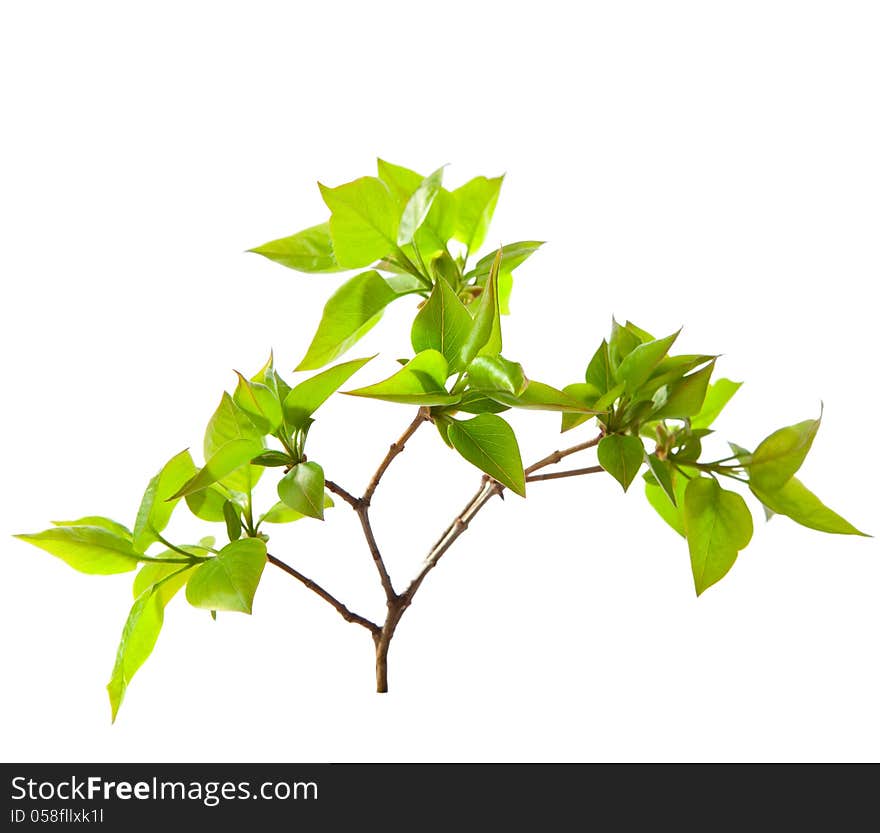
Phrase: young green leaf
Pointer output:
(600, 373)
(622, 342)
(495, 373)
(165, 578)
(104, 523)
(139, 637)
(775, 461)
(686, 396)
(474, 402)
(584, 393)
(229, 581)
(717, 396)
(442, 324)
(621, 456)
(363, 222)
(718, 525)
(207, 504)
(268, 376)
(223, 462)
(310, 250)
(657, 497)
(417, 207)
(484, 338)
(537, 396)
(512, 255)
(350, 313)
(796, 501)
(302, 489)
(89, 549)
(304, 399)
(475, 204)
(489, 443)
(281, 513)
(664, 474)
(273, 459)
(260, 403)
(421, 381)
(229, 423)
(640, 362)
(157, 503)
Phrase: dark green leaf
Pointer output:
(775, 461)
(489, 443)
(222, 463)
(156, 505)
(350, 313)
(260, 403)
(229, 581)
(363, 222)
(495, 373)
(641, 361)
(718, 525)
(686, 396)
(442, 324)
(417, 207)
(233, 520)
(621, 456)
(281, 513)
(796, 501)
(304, 399)
(420, 382)
(272, 459)
(718, 395)
(89, 549)
(302, 489)
(307, 251)
(484, 338)
(475, 204)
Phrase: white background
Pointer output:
(706, 164)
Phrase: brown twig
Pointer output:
(346, 614)
(556, 456)
(346, 496)
(555, 475)
(423, 415)
(363, 513)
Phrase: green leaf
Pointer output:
(621, 456)
(587, 395)
(281, 513)
(158, 501)
(273, 459)
(640, 362)
(474, 402)
(775, 461)
(228, 423)
(350, 313)
(104, 523)
(233, 520)
(642, 335)
(302, 489)
(717, 396)
(664, 474)
(442, 324)
(489, 443)
(223, 462)
(718, 525)
(207, 504)
(796, 501)
(540, 397)
(657, 497)
(304, 399)
(495, 373)
(512, 255)
(686, 396)
(420, 381)
(165, 578)
(229, 581)
(622, 342)
(260, 403)
(89, 549)
(475, 204)
(268, 376)
(363, 222)
(139, 637)
(310, 250)
(600, 373)
(484, 338)
(418, 206)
